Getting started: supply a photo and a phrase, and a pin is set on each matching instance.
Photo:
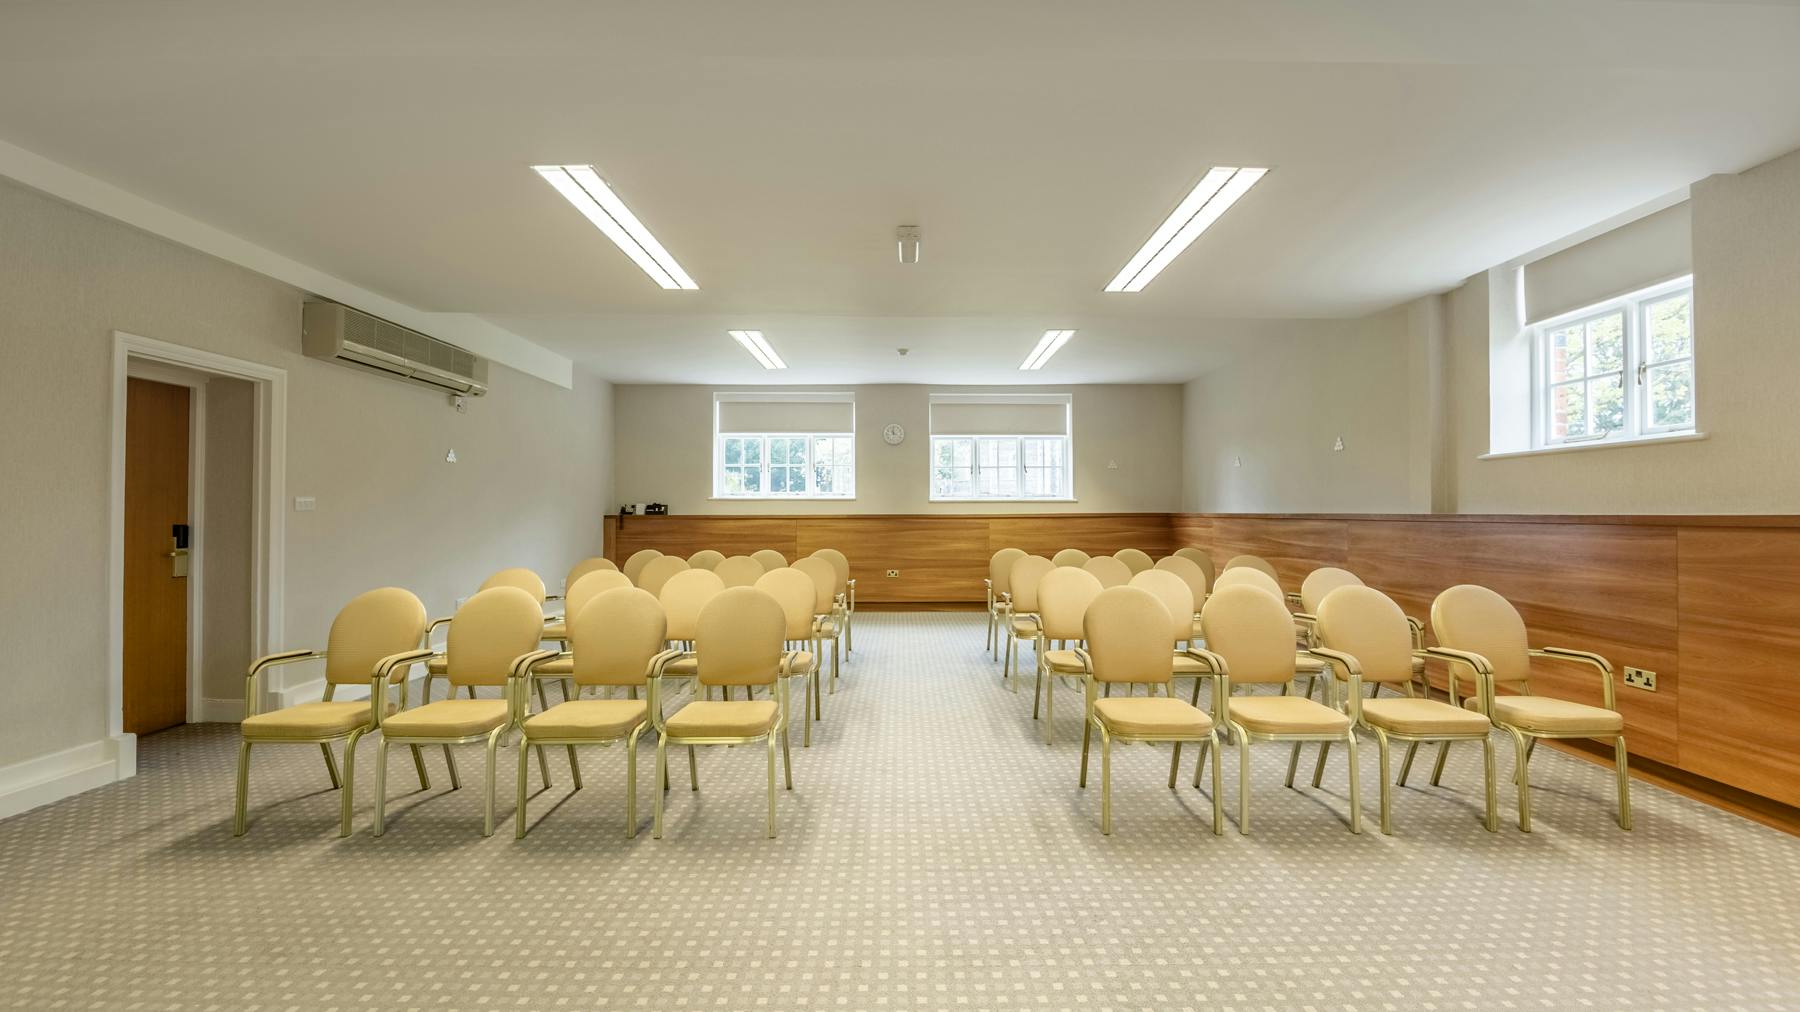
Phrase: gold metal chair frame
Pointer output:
(1093, 723)
(379, 686)
(777, 730)
(1044, 688)
(513, 690)
(1523, 738)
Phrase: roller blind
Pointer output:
(1648, 251)
(786, 413)
(1000, 415)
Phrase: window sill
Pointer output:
(1673, 437)
(780, 498)
(1038, 498)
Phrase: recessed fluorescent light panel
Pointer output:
(1048, 345)
(1214, 194)
(759, 349)
(582, 186)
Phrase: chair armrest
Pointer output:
(272, 660)
(1087, 660)
(531, 669)
(1591, 659)
(391, 665)
(1293, 599)
(1469, 657)
(1484, 674)
(552, 597)
(1418, 632)
(987, 582)
(1214, 663)
(516, 678)
(1336, 660)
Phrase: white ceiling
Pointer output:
(774, 147)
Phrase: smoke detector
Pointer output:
(907, 240)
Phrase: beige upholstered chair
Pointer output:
(1020, 607)
(1109, 571)
(494, 638)
(1200, 557)
(682, 599)
(1363, 633)
(1137, 560)
(583, 591)
(705, 558)
(615, 639)
(739, 643)
(770, 559)
(1191, 574)
(1070, 557)
(519, 577)
(1250, 641)
(1482, 636)
(657, 572)
(583, 568)
(739, 571)
(1319, 583)
(636, 563)
(828, 613)
(1254, 562)
(374, 641)
(798, 595)
(847, 592)
(997, 585)
(1063, 595)
(1126, 630)
(1248, 576)
(605, 579)
(1178, 598)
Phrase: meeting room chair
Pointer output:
(560, 668)
(739, 571)
(846, 589)
(1250, 641)
(1483, 638)
(1249, 576)
(1178, 598)
(636, 563)
(705, 558)
(1063, 595)
(1071, 557)
(1020, 606)
(1365, 636)
(1136, 559)
(1191, 574)
(517, 576)
(683, 597)
(657, 572)
(828, 613)
(493, 639)
(1109, 571)
(770, 558)
(739, 643)
(616, 639)
(1200, 557)
(557, 629)
(798, 595)
(997, 585)
(1126, 633)
(374, 641)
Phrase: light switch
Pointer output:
(304, 503)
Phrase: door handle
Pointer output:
(178, 559)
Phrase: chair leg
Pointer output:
(1105, 784)
(1293, 763)
(381, 757)
(1087, 732)
(1492, 821)
(419, 766)
(1037, 692)
(787, 758)
(1174, 762)
(693, 771)
(662, 775)
(1387, 825)
(331, 768)
(1437, 768)
(574, 767)
(1522, 777)
(543, 765)
(519, 799)
(1619, 762)
(1050, 706)
(1319, 767)
(487, 811)
(1212, 745)
(1356, 783)
(347, 804)
(1243, 744)
(771, 821)
(631, 782)
(1412, 748)
(239, 817)
(807, 708)
(835, 664)
(543, 703)
(450, 761)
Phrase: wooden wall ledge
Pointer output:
(1757, 520)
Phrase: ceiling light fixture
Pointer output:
(582, 186)
(1048, 345)
(1210, 198)
(759, 349)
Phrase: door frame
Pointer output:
(268, 540)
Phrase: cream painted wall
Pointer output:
(227, 537)
(664, 451)
(529, 488)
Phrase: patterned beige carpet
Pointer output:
(933, 854)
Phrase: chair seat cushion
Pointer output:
(715, 719)
(1065, 661)
(1287, 715)
(557, 666)
(827, 628)
(1024, 626)
(437, 665)
(1422, 717)
(556, 630)
(310, 720)
(1552, 715)
(803, 662)
(1308, 664)
(1152, 716)
(685, 665)
(588, 718)
(1185, 665)
(447, 718)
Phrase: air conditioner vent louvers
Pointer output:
(339, 333)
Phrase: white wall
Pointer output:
(529, 489)
(664, 451)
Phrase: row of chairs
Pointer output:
(1240, 630)
(613, 636)
(649, 568)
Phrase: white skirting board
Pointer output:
(58, 775)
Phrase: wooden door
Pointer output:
(156, 586)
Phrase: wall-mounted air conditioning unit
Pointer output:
(338, 333)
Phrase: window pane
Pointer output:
(753, 451)
(1606, 344)
(1606, 404)
(1568, 411)
(734, 451)
(1672, 395)
(778, 480)
(1670, 323)
(1568, 355)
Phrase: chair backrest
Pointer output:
(1366, 624)
(1472, 618)
(706, 558)
(1173, 592)
(838, 563)
(798, 596)
(1136, 559)
(589, 587)
(583, 568)
(1321, 582)
(1063, 596)
(636, 563)
(824, 579)
(1244, 576)
(1070, 557)
(1027, 573)
(375, 624)
(616, 635)
(770, 559)
(488, 633)
(1108, 570)
(519, 577)
(740, 641)
(657, 571)
(1000, 568)
(1253, 630)
(1200, 557)
(1127, 637)
(739, 571)
(1254, 562)
(1190, 573)
(682, 598)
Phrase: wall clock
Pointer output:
(894, 434)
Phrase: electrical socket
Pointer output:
(1638, 678)
(893, 574)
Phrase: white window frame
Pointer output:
(719, 488)
(1633, 371)
(1066, 494)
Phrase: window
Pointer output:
(1619, 370)
(784, 446)
(1000, 467)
